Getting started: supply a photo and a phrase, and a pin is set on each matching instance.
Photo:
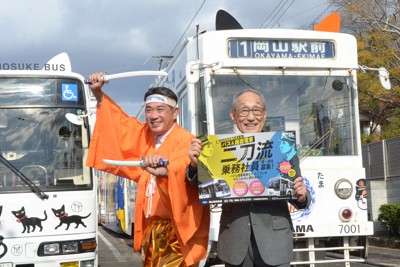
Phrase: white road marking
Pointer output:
(113, 249)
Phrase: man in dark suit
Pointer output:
(253, 233)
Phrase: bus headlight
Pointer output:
(67, 247)
(343, 188)
(51, 249)
(89, 263)
(70, 247)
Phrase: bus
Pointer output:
(309, 81)
(280, 186)
(117, 198)
(47, 194)
(216, 188)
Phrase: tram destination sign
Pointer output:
(247, 167)
(281, 49)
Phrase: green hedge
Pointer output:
(389, 216)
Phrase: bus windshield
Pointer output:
(38, 140)
(319, 108)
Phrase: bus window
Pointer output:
(35, 136)
(41, 142)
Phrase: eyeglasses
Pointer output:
(246, 111)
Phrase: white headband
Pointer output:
(161, 99)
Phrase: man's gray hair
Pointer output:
(250, 91)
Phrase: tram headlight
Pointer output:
(343, 188)
(345, 214)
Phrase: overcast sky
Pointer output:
(121, 35)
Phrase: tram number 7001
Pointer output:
(349, 229)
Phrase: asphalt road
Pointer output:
(117, 250)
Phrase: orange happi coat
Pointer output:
(121, 137)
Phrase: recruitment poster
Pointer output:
(247, 167)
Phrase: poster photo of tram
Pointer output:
(247, 167)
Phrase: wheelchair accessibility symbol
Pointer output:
(69, 92)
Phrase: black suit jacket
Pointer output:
(269, 220)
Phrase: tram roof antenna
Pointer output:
(160, 60)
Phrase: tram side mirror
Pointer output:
(192, 72)
(383, 76)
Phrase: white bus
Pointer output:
(280, 186)
(308, 79)
(47, 194)
(215, 188)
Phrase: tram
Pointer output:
(309, 81)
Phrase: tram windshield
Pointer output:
(37, 140)
(319, 108)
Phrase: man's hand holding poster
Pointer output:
(247, 167)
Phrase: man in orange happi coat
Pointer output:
(171, 226)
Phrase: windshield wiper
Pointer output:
(315, 144)
(26, 180)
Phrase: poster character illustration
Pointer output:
(247, 166)
(290, 167)
(361, 194)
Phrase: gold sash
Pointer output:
(160, 247)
